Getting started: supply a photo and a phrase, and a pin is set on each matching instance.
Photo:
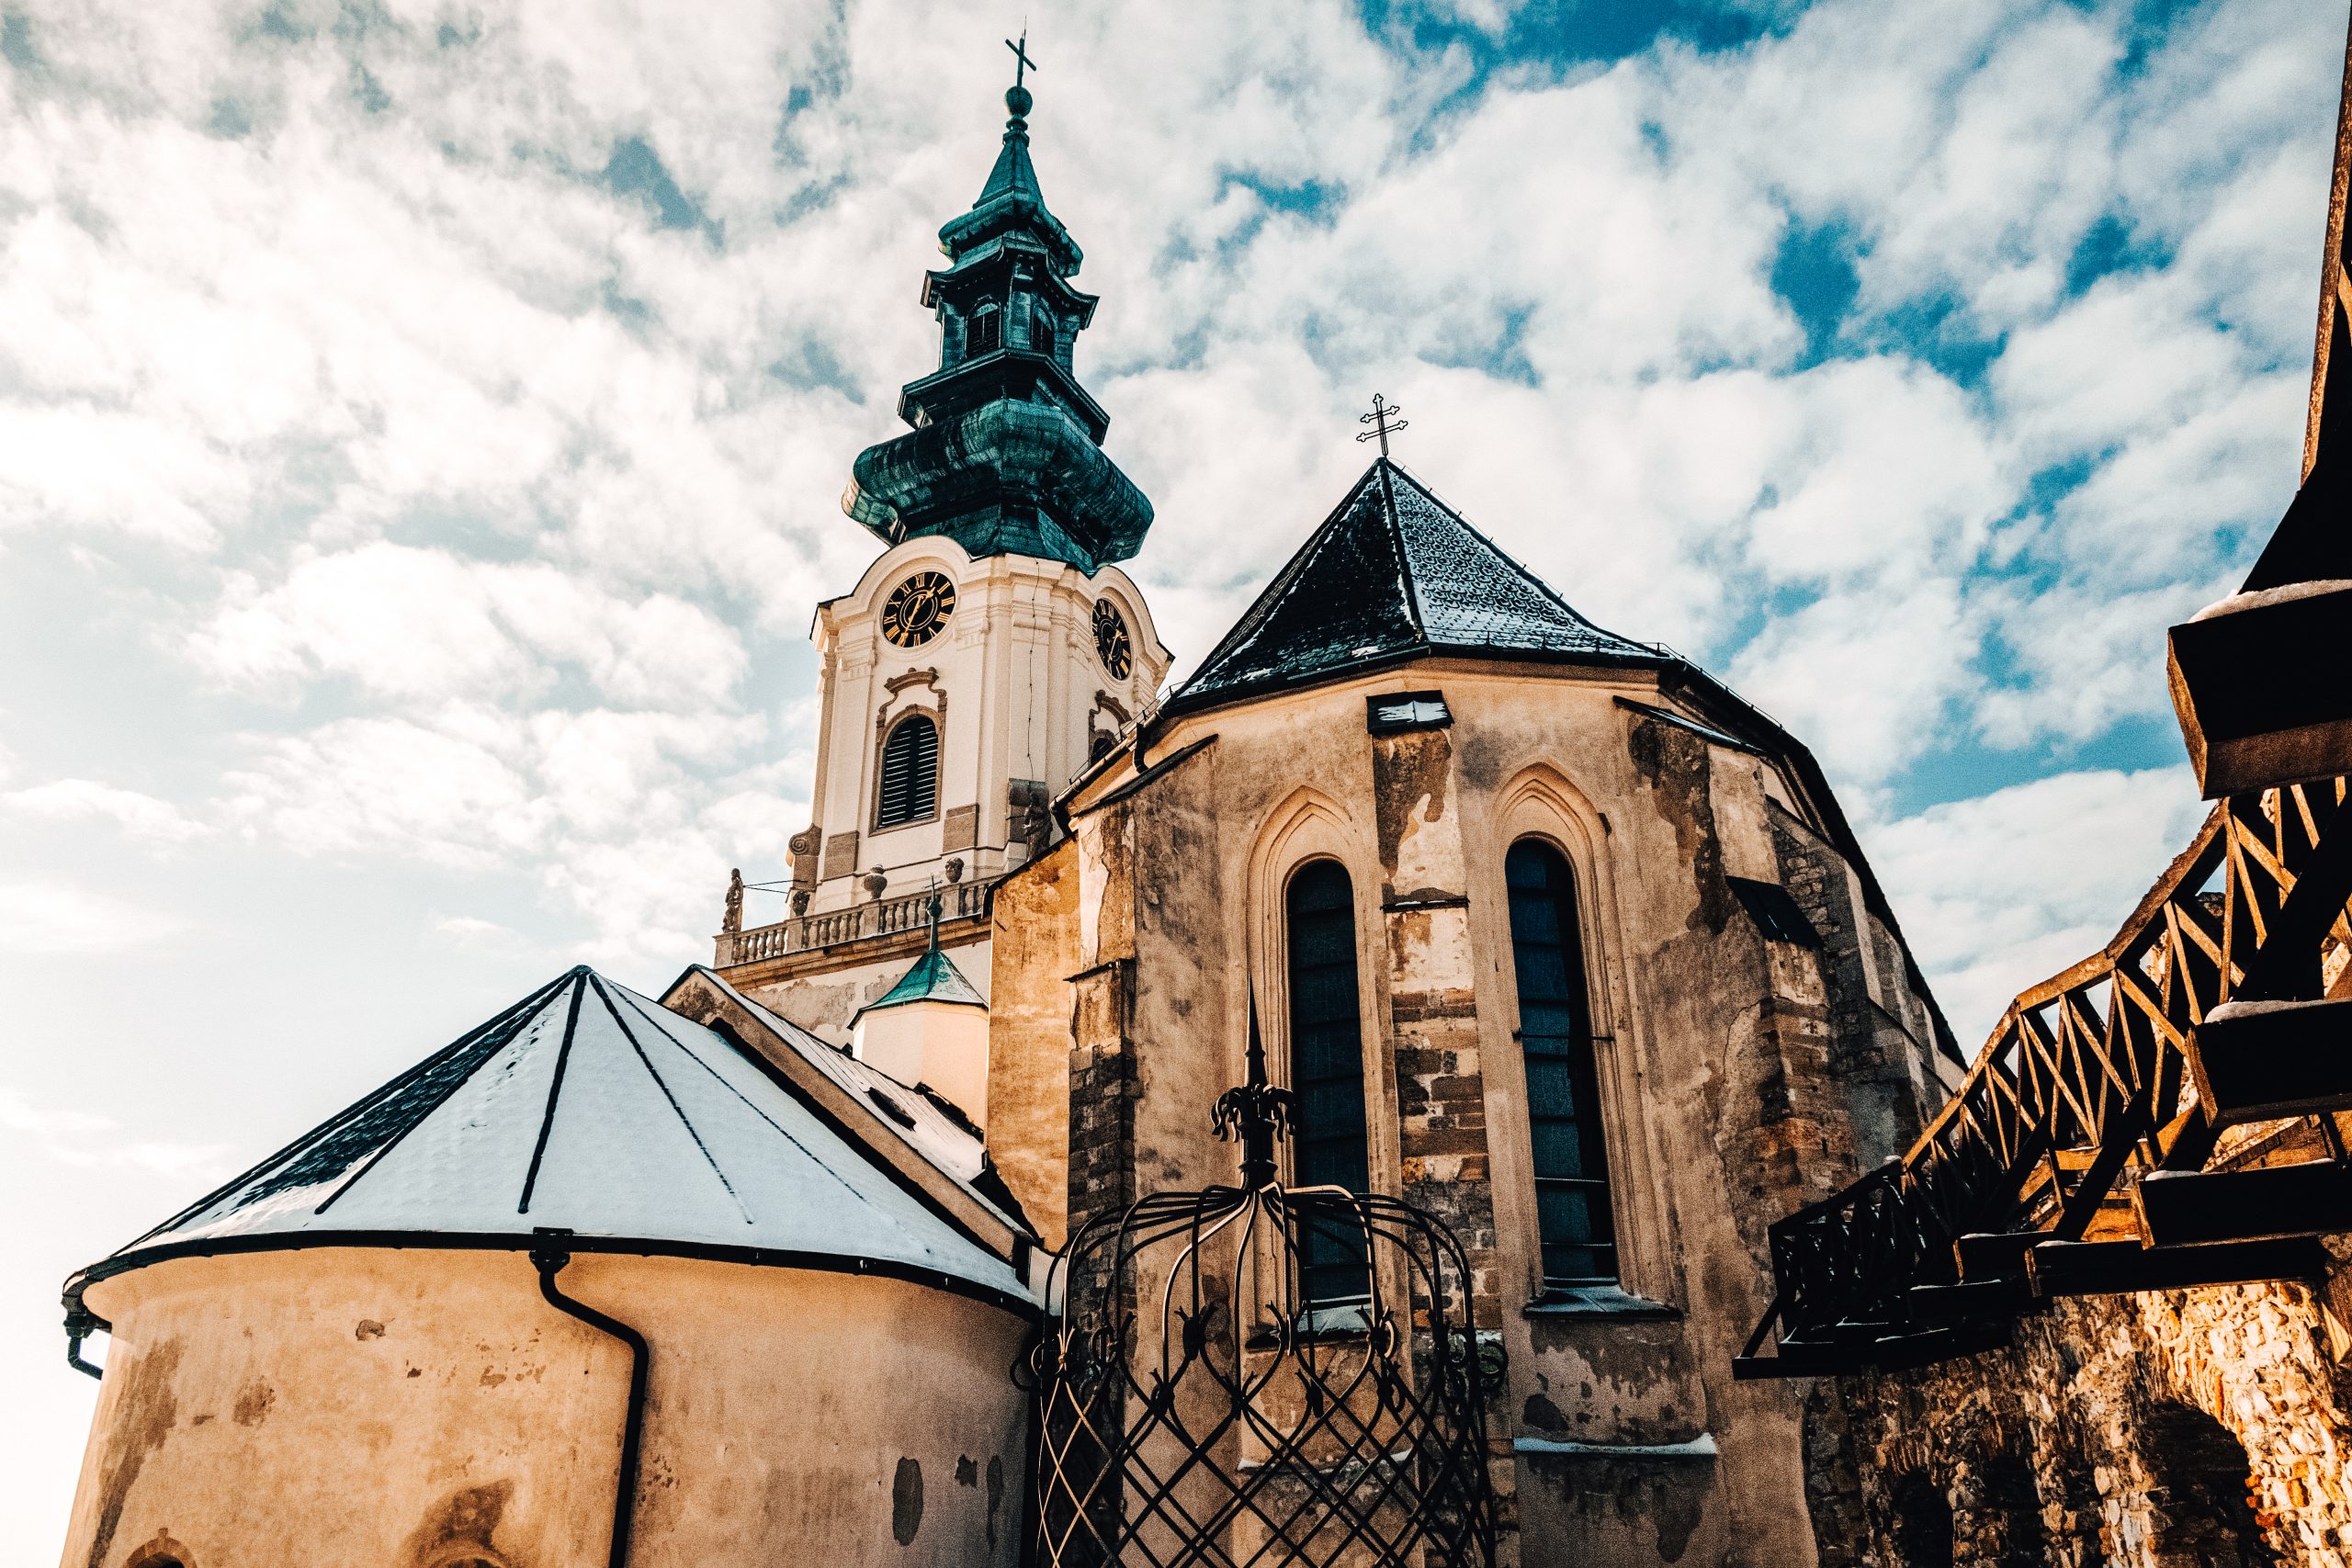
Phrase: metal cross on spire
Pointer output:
(1382, 420)
(1021, 62)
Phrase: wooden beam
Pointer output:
(1800, 1361)
(1919, 1350)
(2190, 1208)
(2120, 1267)
(2262, 1060)
(2244, 685)
(1995, 1255)
(1971, 1300)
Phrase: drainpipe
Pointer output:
(80, 1324)
(549, 1260)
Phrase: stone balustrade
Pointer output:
(830, 928)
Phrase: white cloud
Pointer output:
(1868, 680)
(82, 1139)
(45, 917)
(423, 625)
(2000, 892)
(141, 817)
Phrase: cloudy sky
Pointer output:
(422, 426)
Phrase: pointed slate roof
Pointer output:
(591, 1109)
(947, 1140)
(1392, 573)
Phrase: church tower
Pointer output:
(993, 650)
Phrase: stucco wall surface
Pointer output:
(415, 1409)
(823, 1001)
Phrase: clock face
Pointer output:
(1111, 640)
(918, 608)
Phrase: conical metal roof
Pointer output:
(1393, 572)
(588, 1108)
(934, 977)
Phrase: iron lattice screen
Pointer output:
(1194, 1408)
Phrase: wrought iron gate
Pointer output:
(1196, 1407)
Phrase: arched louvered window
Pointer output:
(1579, 1232)
(909, 787)
(1330, 1147)
(986, 334)
(1041, 329)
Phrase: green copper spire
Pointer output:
(1005, 455)
(933, 978)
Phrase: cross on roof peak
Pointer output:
(1382, 420)
(1017, 97)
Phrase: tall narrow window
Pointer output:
(1329, 1147)
(910, 773)
(987, 332)
(1580, 1236)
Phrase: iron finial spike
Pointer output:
(1382, 420)
(1257, 1113)
(1256, 1061)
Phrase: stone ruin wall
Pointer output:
(2161, 1430)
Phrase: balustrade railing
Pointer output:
(830, 928)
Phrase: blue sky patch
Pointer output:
(1814, 272)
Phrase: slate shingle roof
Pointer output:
(1392, 572)
(590, 1108)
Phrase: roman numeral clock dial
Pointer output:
(917, 608)
(1111, 642)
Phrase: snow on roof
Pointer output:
(590, 1108)
(945, 1139)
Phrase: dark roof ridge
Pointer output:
(1388, 470)
(1364, 590)
(1270, 598)
(1534, 577)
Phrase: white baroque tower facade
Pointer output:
(1020, 670)
(995, 649)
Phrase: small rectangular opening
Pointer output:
(1393, 711)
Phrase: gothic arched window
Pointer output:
(1330, 1146)
(1573, 1217)
(909, 787)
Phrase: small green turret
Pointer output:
(1006, 453)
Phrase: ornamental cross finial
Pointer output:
(1382, 420)
(1021, 62)
(1257, 1113)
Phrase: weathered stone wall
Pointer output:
(1030, 1091)
(1878, 1038)
(2160, 1430)
(1621, 1437)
